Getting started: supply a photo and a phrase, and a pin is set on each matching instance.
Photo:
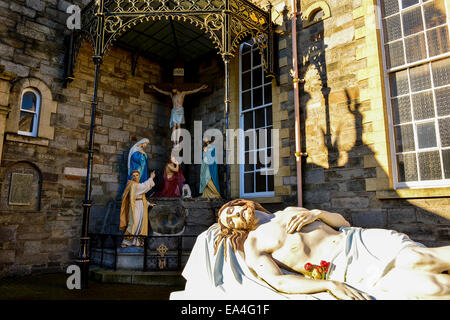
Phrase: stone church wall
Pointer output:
(343, 124)
(45, 236)
(210, 111)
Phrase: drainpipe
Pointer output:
(295, 80)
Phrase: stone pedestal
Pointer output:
(174, 225)
(167, 219)
(198, 214)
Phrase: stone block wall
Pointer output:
(344, 127)
(210, 111)
(46, 238)
(344, 124)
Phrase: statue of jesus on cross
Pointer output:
(177, 114)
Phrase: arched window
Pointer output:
(317, 11)
(29, 112)
(317, 15)
(255, 90)
(32, 105)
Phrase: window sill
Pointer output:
(27, 139)
(413, 193)
(271, 199)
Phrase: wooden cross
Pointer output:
(177, 96)
(178, 82)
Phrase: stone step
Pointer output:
(153, 278)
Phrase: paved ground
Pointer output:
(53, 287)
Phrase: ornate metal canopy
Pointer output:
(225, 22)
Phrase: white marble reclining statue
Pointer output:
(297, 253)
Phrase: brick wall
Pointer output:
(343, 124)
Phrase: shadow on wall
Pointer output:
(332, 128)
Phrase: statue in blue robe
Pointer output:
(138, 160)
(209, 173)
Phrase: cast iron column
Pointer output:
(84, 258)
(226, 59)
(226, 56)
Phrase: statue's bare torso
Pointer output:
(178, 99)
(289, 242)
(292, 251)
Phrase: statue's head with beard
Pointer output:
(236, 219)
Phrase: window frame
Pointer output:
(34, 132)
(241, 126)
(418, 184)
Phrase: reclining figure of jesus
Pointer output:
(361, 259)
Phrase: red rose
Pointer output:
(308, 266)
(323, 263)
(320, 269)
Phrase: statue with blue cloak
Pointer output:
(138, 160)
(209, 173)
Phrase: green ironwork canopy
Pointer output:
(225, 22)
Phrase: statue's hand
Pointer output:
(301, 219)
(343, 291)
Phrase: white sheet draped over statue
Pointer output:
(211, 277)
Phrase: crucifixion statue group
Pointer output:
(177, 113)
(134, 209)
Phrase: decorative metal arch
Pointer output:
(226, 22)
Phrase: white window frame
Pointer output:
(34, 132)
(386, 71)
(242, 137)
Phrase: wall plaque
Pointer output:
(20, 191)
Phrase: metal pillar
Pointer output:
(84, 258)
(226, 56)
(296, 80)
(226, 59)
